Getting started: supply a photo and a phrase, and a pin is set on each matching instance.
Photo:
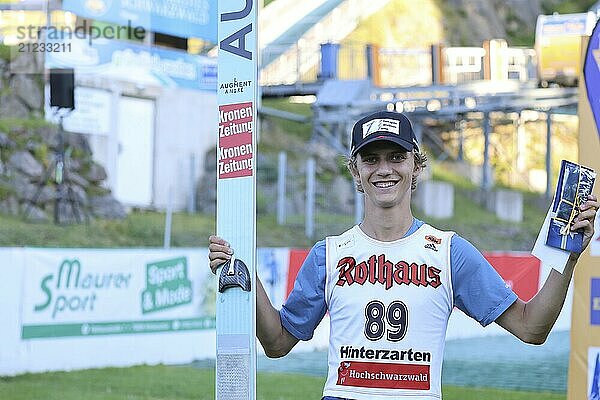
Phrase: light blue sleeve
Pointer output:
(479, 291)
(305, 307)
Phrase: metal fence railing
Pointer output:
(462, 64)
(297, 63)
(404, 67)
(289, 64)
(306, 195)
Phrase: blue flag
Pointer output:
(591, 72)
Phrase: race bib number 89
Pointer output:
(381, 320)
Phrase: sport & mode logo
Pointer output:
(167, 285)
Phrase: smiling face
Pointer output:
(385, 172)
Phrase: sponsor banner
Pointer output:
(273, 272)
(591, 72)
(383, 375)
(167, 285)
(565, 24)
(93, 292)
(595, 243)
(297, 257)
(520, 272)
(92, 114)
(584, 335)
(116, 328)
(558, 44)
(182, 18)
(593, 386)
(124, 61)
(595, 301)
(235, 140)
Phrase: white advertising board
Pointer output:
(92, 113)
(86, 308)
(65, 309)
(89, 293)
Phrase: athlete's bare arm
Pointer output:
(532, 321)
(274, 338)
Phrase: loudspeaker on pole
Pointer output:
(62, 88)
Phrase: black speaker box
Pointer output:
(62, 88)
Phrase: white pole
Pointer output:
(309, 230)
(281, 181)
(168, 220)
(192, 195)
(358, 207)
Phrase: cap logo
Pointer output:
(381, 125)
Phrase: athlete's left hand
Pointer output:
(585, 219)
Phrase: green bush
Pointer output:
(5, 191)
(9, 124)
(5, 52)
(41, 153)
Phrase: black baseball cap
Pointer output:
(383, 125)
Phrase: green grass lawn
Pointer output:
(146, 229)
(139, 229)
(181, 383)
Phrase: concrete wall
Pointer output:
(185, 126)
(185, 123)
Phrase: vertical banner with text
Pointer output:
(237, 96)
(584, 368)
(591, 70)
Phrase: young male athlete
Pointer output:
(390, 283)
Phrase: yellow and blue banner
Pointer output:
(584, 367)
(591, 71)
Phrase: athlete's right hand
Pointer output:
(219, 251)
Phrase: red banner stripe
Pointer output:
(384, 375)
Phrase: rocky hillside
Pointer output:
(511, 19)
(29, 149)
(459, 22)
